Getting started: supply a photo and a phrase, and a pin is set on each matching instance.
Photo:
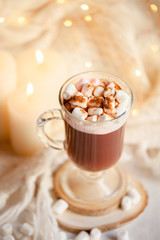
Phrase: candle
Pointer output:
(24, 107)
(8, 81)
(45, 69)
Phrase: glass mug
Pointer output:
(92, 146)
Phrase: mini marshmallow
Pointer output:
(7, 228)
(134, 195)
(104, 117)
(95, 234)
(92, 118)
(60, 206)
(95, 82)
(79, 113)
(109, 111)
(87, 89)
(78, 101)
(120, 109)
(80, 84)
(8, 237)
(26, 229)
(95, 111)
(109, 92)
(126, 203)
(109, 102)
(62, 236)
(122, 97)
(82, 236)
(69, 91)
(122, 234)
(95, 101)
(111, 85)
(98, 91)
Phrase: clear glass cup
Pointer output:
(93, 148)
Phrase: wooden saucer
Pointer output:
(79, 192)
(75, 221)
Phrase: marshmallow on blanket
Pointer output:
(60, 206)
(95, 234)
(134, 195)
(82, 236)
(126, 203)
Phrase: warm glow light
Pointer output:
(88, 64)
(21, 20)
(60, 1)
(39, 56)
(84, 7)
(154, 7)
(138, 72)
(68, 23)
(30, 89)
(2, 19)
(134, 112)
(154, 48)
(88, 18)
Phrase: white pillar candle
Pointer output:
(24, 107)
(45, 69)
(8, 81)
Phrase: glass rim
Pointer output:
(95, 123)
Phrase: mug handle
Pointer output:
(44, 118)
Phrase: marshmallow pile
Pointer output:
(95, 100)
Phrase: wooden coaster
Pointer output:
(75, 222)
(90, 197)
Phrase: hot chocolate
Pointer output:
(93, 152)
(94, 102)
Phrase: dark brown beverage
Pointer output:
(94, 152)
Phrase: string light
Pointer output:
(154, 48)
(30, 89)
(2, 19)
(134, 112)
(39, 56)
(84, 7)
(88, 64)
(154, 7)
(60, 1)
(138, 72)
(88, 18)
(68, 23)
(21, 20)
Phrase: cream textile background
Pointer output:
(124, 36)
